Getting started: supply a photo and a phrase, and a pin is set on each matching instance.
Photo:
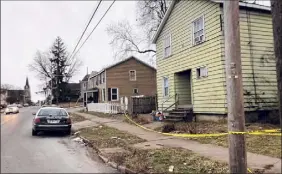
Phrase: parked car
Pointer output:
(12, 109)
(19, 106)
(26, 105)
(51, 119)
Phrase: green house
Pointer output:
(191, 60)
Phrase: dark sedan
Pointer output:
(51, 119)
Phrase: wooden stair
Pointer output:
(180, 114)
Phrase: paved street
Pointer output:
(22, 153)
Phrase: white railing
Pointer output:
(112, 108)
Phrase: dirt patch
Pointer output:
(160, 160)
(106, 137)
(77, 118)
(104, 115)
(141, 119)
(260, 144)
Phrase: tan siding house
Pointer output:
(191, 60)
(126, 78)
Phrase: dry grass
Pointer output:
(139, 119)
(107, 137)
(76, 118)
(104, 115)
(159, 160)
(260, 144)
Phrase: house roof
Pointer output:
(85, 78)
(120, 62)
(73, 86)
(168, 12)
(132, 57)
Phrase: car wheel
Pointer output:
(68, 132)
(34, 132)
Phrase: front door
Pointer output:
(96, 97)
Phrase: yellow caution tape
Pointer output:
(263, 132)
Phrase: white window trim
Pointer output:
(103, 94)
(199, 75)
(165, 96)
(130, 76)
(168, 35)
(112, 94)
(134, 90)
(204, 33)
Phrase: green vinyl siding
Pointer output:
(208, 95)
(186, 56)
(258, 64)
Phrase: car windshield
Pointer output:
(53, 112)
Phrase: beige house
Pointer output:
(191, 60)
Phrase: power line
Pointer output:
(86, 27)
(95, 27)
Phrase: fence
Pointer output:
(136, 105)
(142, 104)
(112, 108)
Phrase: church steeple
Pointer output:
(26, 83)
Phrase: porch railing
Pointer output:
(176, 99)
(111, 108)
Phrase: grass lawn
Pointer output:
(106, 137)
(159, 161)
(260, 144)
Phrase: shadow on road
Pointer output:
(52, 135)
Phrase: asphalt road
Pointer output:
(48, 153)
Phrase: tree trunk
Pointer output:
(276, 7)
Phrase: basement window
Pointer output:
(202, 72)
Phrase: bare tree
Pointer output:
(9, 87)
(149, 16)
(43, 67)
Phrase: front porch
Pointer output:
(91, 96)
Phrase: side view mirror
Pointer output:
(33, 113)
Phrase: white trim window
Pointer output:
(202, 72)
(167, 45)
(165, 87)
(132, 75)
(114, 94)
(198, 29)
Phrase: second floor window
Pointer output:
(167, 46)
(103, 78)
(132, 75)
(198, 31)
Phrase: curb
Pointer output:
(114, 165)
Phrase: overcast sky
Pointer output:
(28, 26)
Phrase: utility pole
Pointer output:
(235, 97)
(276, 8)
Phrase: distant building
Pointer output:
(27, 96)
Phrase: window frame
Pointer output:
(165, 47)
(198, 72)
(164, 95)
(134, 90)
(117, 94)
(193, 30)
(130, 75)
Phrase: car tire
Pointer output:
(68, 132)
(34, 132)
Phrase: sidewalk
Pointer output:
(213, 152)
